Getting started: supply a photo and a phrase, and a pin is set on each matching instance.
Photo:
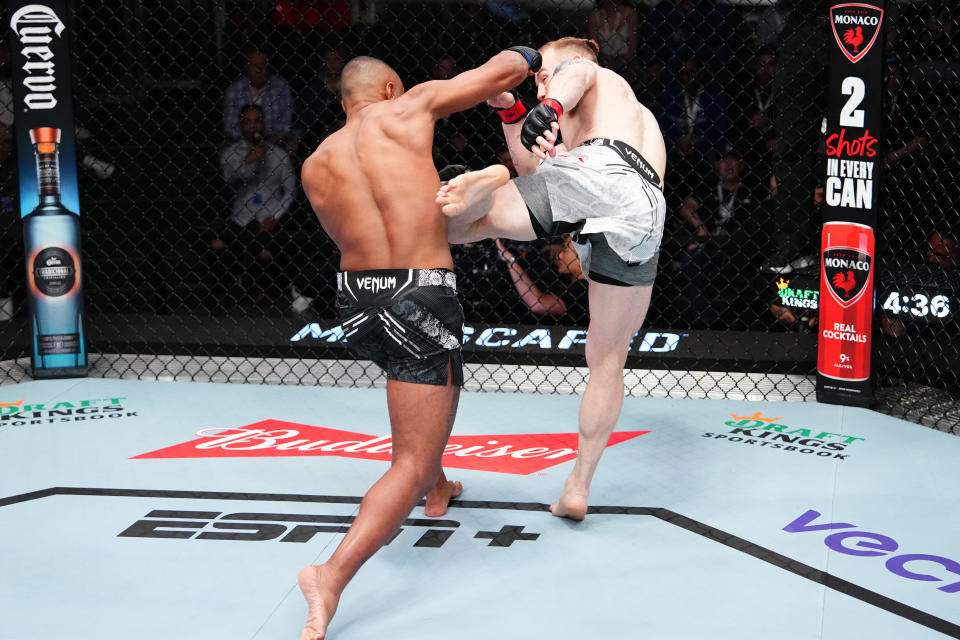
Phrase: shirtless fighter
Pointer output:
(372, 185)
(607, 190)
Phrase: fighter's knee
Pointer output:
(422, 473)
(605, 361)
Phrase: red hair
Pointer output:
(586, 47)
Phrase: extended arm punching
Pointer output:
(503, 71)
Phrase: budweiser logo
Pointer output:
(520, 454)
(34, 24)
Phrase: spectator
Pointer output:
(934, 27)
(796, 306)
(444, 68)
(677, 30)
(11, 259)
(650, 83)
(319, 113)
(924, 282)
(269, 92)
(264, 184)
(800, 105)
(756, 93)
(536, 290)
(943, 251)
(771, 22)
(693, 112)
(758, 145)
(717, 216)
(455, 140)
(6, 88)
(908, 166)
(753, 114)
(613, 25)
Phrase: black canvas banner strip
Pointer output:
(851, 183)
(855, 112)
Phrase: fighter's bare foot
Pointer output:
(321, 602)
(471, 193)
(571, 504)
(439, 498)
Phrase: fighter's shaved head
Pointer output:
(366, 78)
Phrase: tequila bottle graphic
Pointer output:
(51, 236)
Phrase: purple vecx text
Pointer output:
(868, 544)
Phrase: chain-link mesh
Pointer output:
(202, 255)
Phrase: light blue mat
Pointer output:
(157, 510)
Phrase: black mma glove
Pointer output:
(514, 114)
(538, 120)
(532, 56)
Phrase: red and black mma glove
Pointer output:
(539, 120)
(514, 114)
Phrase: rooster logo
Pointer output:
(854, 38)
(845, 282)
(856, 27)
(846, 272)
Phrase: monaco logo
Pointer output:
(520, 454)
(846, 271)
(855, 27)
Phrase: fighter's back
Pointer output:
(372, 186)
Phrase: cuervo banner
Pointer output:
(47, 169)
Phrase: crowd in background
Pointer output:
(724, 83)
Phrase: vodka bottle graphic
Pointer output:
(51, 236)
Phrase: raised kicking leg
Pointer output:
(421, 417)
(616, 314)
(484, 204)
(469, 195)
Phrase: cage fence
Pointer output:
(203, 260)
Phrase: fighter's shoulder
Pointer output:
(421, 95)
(316, 163)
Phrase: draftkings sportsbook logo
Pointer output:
(855, 27)
(797, 298)
(521, 454)
(763, 432)
(22, 413)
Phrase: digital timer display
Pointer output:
(917, 304)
